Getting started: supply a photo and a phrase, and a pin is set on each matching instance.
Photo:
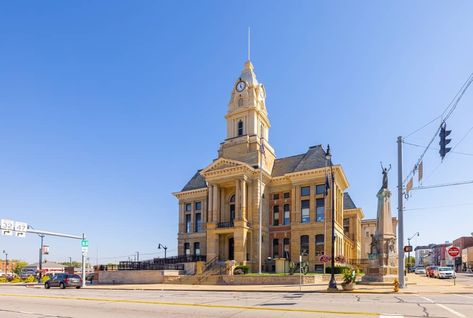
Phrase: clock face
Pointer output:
(240, 86)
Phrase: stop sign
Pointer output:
(453, 251)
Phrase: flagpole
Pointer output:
(260, 204)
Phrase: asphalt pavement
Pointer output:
(20, 301)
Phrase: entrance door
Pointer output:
(231, 248)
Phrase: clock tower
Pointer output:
(247, 122)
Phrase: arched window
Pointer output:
(240, 128)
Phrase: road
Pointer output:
(18, 301)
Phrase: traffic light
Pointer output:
(444, 141)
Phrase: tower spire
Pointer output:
(249, 43)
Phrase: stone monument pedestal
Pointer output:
(382, 264)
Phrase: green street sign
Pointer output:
(84, 243)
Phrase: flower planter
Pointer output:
(347, 286)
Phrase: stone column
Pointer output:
(243, 200)
(210, 204)
(237, 200)
(181, 218)
(215, 203)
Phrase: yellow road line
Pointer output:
(148, 302)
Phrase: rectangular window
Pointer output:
(276, 215)
(304, 245)
(319, 210)
(198, 222)
(286, 195)
(275, 248)
(197, 248)
(346, 225)
(320, 189)
(287, 214)
(305, 191)
(276, 196)
(187, 249)
(188, 207)
(319, 245)
(188, 223)
(319, 268)
(305, 208)
(198, 205)
(287, 248)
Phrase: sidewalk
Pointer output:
(416, 284)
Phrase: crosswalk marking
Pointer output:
(456, 313)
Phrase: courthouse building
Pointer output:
(219, 206)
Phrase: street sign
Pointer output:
(7, 225)
(7, 232)
(45, 249)
(408, 248)
(20, 229)
(84, 243)
(453, 251)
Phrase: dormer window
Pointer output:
(240, 128)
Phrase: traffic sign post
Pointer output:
(453, 251)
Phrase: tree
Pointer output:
(19, 266)
(410, 261)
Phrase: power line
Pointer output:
(442, 185)
(419, 129)
(439, 207)
(449, 110)
(436, 149)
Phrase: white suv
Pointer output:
(445, 272)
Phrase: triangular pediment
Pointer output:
(223, 164)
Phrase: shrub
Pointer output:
(3, 279)
(16, 279)
(30, 279)
(241, 269)
(338, 269)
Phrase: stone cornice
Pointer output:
(190, 193)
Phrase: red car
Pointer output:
(430, 271)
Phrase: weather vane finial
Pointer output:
(249, 43)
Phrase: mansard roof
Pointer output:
(196, 182)
(348, 202)
(314, 158)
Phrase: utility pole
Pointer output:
(83, 263)
(409, 251)
(40, 264)
(6, 262)
(70, 261)
(400, 212)
(137, 256)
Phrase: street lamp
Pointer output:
(409, 252)
(6, 262)
(332, 285)
(164, 247)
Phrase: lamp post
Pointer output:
(164, 247)
(332, 285)
(409, 253)
(6, 262)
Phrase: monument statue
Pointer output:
(382, 258)
(385, 175)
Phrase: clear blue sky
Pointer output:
(108, 107)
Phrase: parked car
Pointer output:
(431, 271)
(63, 280)
(420, 270)
(445, 272)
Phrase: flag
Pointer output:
(421, 171)
(410, 184)
(327, 185)
(261, 147)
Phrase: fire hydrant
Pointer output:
(396, 285)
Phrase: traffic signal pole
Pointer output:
(400, 215)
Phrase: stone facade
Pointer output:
(219, 208)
